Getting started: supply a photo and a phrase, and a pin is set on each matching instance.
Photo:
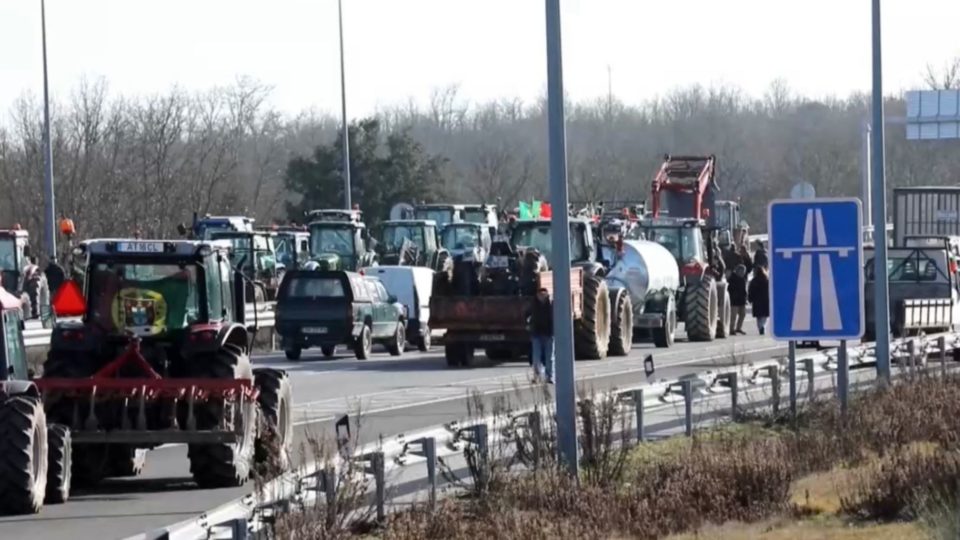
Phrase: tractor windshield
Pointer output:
(442, 216)
(475, 215)
(459, 237)
(8, 255)
(148, 299)
(683, 242)
(395, 234)
(537, 236)
(287, 250)
(331, 240)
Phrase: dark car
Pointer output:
(322, 308)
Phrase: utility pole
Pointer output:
(50, 234)
(343, 112)
(566, 392)
(879, 201)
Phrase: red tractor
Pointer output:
(162, 355)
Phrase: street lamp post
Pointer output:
(50, 235)
(879, 203)
(343, 112)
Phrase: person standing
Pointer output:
(760, 259)
(759, 296)
(31, 285)
(541, 336)
(737, 286)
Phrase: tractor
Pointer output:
(33, 291)
(161, 355)
(254, 253)
(412, 242)
(339, 240)
(293, 246)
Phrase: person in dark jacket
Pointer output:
(759, 296)
(760, 259)
(541, 336)
(737, 286)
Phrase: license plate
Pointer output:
(315, 330)
(498, 261)
(493, 337)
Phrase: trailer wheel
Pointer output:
(665, 335)
(23, 447)
(59, 463)
(701, 310)
(621, 318)
(592, 331)
(723, 321)
(125, 460)
(224, 464)
(276, 401)
(398, 343)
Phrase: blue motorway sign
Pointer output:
(816, 269)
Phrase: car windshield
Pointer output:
(8, 259)
(538, 236)
(459, 237)
(394, 235)
(335, 240)
(682, 242)
(475, 216)
(154, 298)
(315, 287)
(442, 216)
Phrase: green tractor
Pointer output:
(339, 240)
(255, 254)
(412, 242)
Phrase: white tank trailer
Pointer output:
(648, 272)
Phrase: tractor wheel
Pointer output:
(398, 343)
(592, 331)
(621, 327)
(293, 353)
(664, 336)
(224, 464)
(723, 321)
(59, 463)
(424, 341)
(276, 402)
(23, 447)
(363, 345)
(458, 355)
(125, 461)
(701, 310)
(328, 350)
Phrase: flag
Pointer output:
(536, 209)
(525, 210)
(545, 210)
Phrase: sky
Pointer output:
(398, 50)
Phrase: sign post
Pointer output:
(816, 277)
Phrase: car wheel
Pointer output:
(424, 342)
(399, 341)
(363, 344)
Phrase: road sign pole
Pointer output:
(50, 234)
(879, 203)
(562, 308)
(843, 376)
(343, 116)
(792, 374)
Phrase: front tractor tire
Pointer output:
(665, 336)
(224, 464)
(621, 327)
(724, 310)
(59, 463)
(592, 331)
(23, 455)
(275, 438)
(701, 310)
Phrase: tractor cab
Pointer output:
(441, 214)
(293, 246)
(467, 241)
(728, 222)
(204, 227)
(411, 242)
(536, 234)
(14, 251)
(485, 214)
(13, 355)
(255, 254)
(340, 245)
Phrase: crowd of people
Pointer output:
(747, 283)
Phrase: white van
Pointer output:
(412, 285)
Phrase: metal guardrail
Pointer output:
(35, 336)
(425, 447)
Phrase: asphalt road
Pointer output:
(394, 395)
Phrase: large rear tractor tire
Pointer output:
(224, 464)
(59, 463)
(23, 455)
(621, 319)
(592, 331)
(275, 439)
(723, 310)
(701, 310)
(665, 336)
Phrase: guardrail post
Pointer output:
(379, 474)
(638, 407)
(688, 406)
(942, 345)
(430, 453)
(734, 379)
(911, 358)
(792, 374)
(808, 367)
(774, 373)
(536, 436)
(843, 377)
(480, 439)
(329, 480)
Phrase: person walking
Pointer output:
(759, 296)
(760, 259)
(737, 286)
(541, 336)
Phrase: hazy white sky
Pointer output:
(401, 49)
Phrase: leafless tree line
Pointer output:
(124, 164)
